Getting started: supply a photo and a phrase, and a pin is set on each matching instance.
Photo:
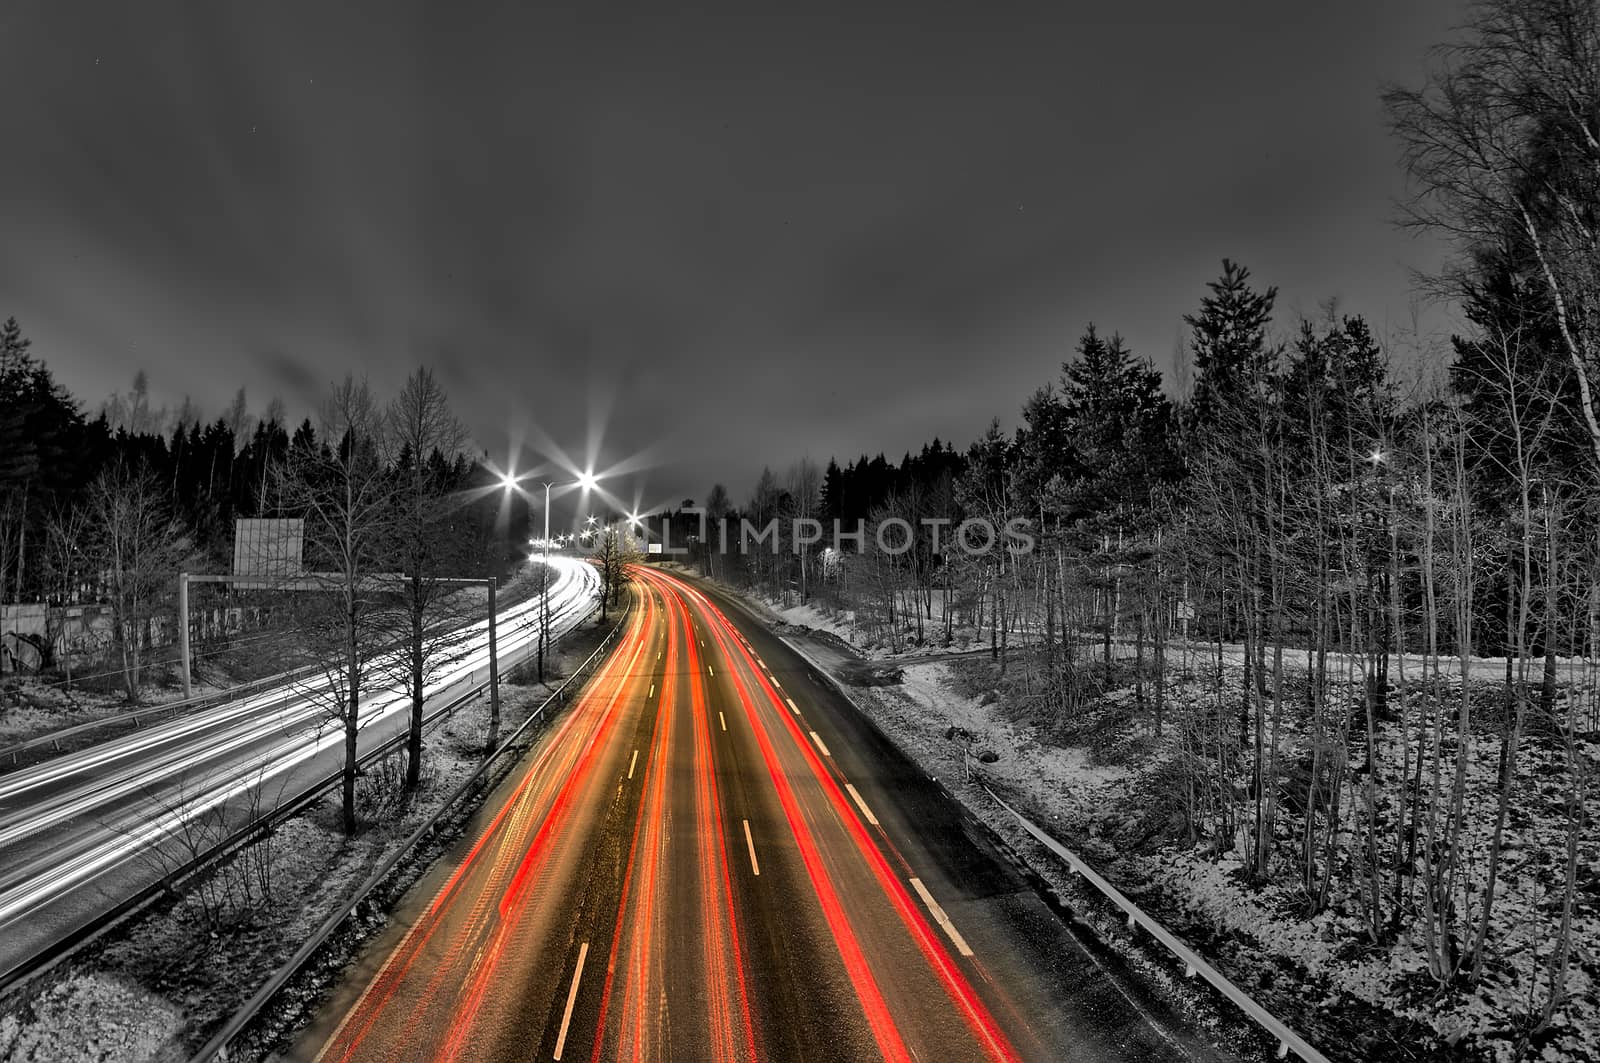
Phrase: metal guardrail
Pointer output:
(1288, 1040)
(218, 1044)
(161, 709)
(91, 930)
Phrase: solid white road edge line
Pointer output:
(940, 918)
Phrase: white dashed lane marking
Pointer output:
(572, 998)
(942, 919)
(751, 842)
(862, 805)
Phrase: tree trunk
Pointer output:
(414, 738)
(351, 723)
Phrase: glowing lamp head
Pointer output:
(587, 480)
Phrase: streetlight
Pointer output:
(585, 480)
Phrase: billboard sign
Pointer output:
(271, 548)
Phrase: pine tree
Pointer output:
(833, 491)
(1233, 361)
(43, 452)
(1120, 424)
(1043, 447)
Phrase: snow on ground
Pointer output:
(1024, 760)
(841, 624)
(121, 1022)
(30, 709)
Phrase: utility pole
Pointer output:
(183, 633)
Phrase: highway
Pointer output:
(713, 857)
(77, 832)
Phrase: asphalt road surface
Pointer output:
(712, 857)
(82, 831)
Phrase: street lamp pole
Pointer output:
(585, 480)
(544, 580)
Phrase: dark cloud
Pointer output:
(749, 232)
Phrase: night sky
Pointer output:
(710, 239)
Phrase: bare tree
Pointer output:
(426, 440)
(342, 488)
(11, 515)
(189, 826)
(66, 561)
(1503, 144)
(805, 483)
(718, 507)
(239, 420)
(136, 546)
(614, 551)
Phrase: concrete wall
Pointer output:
(84, 632)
